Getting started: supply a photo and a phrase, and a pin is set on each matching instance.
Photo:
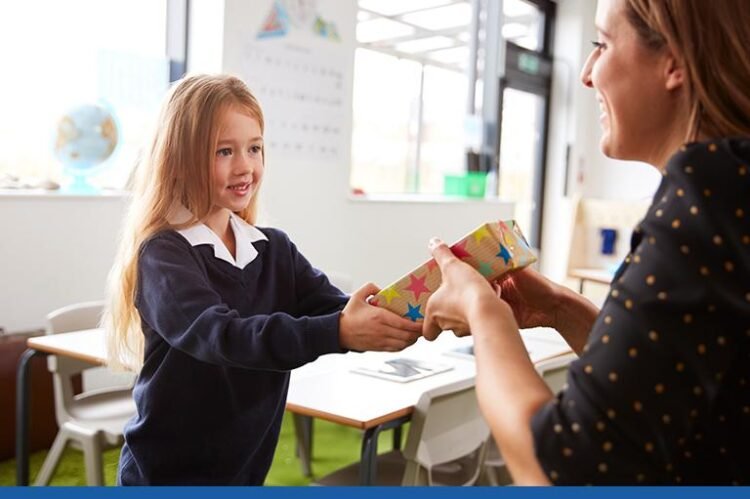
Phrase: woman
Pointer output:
(661, 391)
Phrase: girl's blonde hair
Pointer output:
(713, 41)
(177, 168)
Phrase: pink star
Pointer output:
(459, 249)
(417, 286)
(432, 264)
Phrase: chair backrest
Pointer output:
(85, 315)
(446, 425)
(589, 217)
(75, 317)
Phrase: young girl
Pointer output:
(214, 310)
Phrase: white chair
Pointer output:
(445, 445)
(93, 420)
(554, 371)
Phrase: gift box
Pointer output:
(494, 249)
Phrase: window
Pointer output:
(409, 95)
(385, 115)
(406, 133)
(441, 150)
(524, 24)
(70, 53)
(411, 91)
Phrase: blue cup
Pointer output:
(609, 240)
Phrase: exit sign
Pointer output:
(528, 63)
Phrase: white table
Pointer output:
(329, 390)
(326, 388)
(601, 276)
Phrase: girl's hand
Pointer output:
(533, 298)
(462, 290)
(365, 327)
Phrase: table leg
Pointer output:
(368, 461)
(368, 465)
(23, 416)
(397, 438)
(303, 429)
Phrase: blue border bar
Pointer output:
(371, 492)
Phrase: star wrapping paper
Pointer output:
(494, 249)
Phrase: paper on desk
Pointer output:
(402, 369)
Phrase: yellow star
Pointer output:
(389, 294)
(510, 240)
(481, 233)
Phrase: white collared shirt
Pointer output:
(244, 237)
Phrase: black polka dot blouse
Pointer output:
(661, 393)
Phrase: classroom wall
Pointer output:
(55, 250)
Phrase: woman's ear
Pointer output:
(674, 73)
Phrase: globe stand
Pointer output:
(80, 185)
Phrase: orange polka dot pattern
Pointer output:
(661, 395)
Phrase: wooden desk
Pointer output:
(87, 345)
(600, 276)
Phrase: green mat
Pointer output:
(334, 446)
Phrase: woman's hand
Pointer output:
(365, 327)
(537, 301)
(533, 298)
(462, 290)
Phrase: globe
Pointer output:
(87, 135)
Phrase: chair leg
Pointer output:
(489, 476)
(397, 438)
(303, 428)
(53, 458)
(415, 475)
(494, 476)
(92, 457)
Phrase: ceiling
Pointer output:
(437, 32)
